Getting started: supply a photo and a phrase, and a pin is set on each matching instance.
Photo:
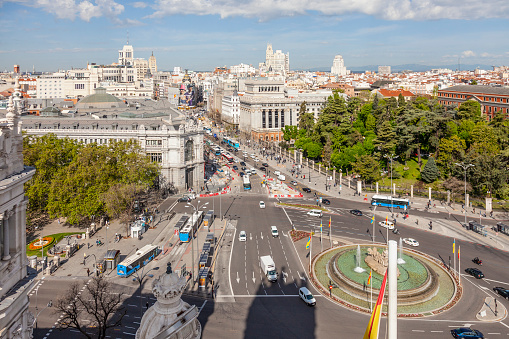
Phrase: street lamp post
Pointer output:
(140, 280)
(465, 168)
(195, 209)
(392, 205)
(37, 315)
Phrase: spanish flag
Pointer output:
(369, 278)
(309, 242)
(459, 247)
(453, 246)
(374, 321)
(386, 219)
(330, 219)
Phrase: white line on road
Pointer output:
(418, 331)
(238, 279)
(203, 305)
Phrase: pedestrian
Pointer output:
(88, 272)
(146, 305)
(88, 245)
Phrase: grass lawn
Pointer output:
(408, 173)
(56, 238)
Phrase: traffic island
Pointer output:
(425, 286)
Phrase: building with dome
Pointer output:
(100, 99)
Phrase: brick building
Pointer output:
(492, 99)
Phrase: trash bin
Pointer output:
(32, 261)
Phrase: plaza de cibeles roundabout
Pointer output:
(425, 285)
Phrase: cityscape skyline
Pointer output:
(67, 34)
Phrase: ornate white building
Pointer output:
(231, 110)
(338, 66)
(275, 62)
(16, 321)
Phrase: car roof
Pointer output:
(305, 290)
(273, 227)
(242, 232)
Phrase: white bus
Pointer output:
(247, 182)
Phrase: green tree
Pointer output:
(290, 132)
(451, 150)
(386, 138)
(367, 167)
(470, 110)
(430, 171)
(401, 100)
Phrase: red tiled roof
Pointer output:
(396, 93)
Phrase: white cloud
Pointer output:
(139, 4)
(385, 9)
(467, 54)
(84, 9)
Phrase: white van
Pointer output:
(276, 172)
(253, 171)
(315, 213)
(273, 230)
(281, 177)
(387, 224)
(306, 296)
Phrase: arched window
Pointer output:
(188, 151)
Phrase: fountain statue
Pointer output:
(377, 261)
(401, 261)
(358, 267)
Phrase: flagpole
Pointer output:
(371, 291)
(454, 254)
(321, 242)
(330, 232)
(459, 265)
(310, 251)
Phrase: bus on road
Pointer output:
(247, 182)
(232, 142)
(227, 157)
(136, 261)
(388, 201)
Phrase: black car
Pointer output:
(263, 169)
(502, 291)
(356, 212)
(242, 163)
(244, 168)
(264, 164)
(307, 190)
(235, 167)
(326, 201)
(184, 199)
(475, 272)
(242, 174)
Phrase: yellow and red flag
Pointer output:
(369, 278)
(453, 246)
(330, 219)
(386, 219)
(374, 321)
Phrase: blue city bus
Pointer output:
(191, 227)
(247, 182)
(388, 201)
(231, 142)
(136, 261)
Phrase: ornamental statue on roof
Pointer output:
(187, 97)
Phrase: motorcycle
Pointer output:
(477, 261)
(395, 231)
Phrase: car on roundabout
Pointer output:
(475, 272)
(503, 292)
(356, 212)
(466, 332)
(242, 236)
(262, 204)
(307, 297)
(326, 201)
(387, 224)
(411, 242)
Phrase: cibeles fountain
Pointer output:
(170, 317)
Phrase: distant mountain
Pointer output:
(407, 67)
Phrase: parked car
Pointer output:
(502, 291)
(411, 242)
(264, 164)
(475, 272)
(293, 182)
(326, 201)
(356, 212)
(315, 213)
(262, 204)
(274, 232)
(307, 297)
(466, 332)
(242, 236)
(387, 224)
(307, 190)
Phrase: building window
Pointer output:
(263, 119)
(79, 86)
(282, 118)
(155, 157)
(276, 118)
(270, 118)
(188, 151)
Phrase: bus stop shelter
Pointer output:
(111, 259)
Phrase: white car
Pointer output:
(273, 230)
(315, 213)
(242, 236)
(307, 297)
(387, 224)
(411, 242)
(277, 172)
(262, 204)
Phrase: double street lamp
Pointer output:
(465, 168)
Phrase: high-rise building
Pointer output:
(126, 55)
(152, 64)
(338, 66)
(384, 70)
(276, 62)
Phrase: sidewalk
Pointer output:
(450, 227)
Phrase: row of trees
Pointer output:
(76, 180)
(362, 137)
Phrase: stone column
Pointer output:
(340, 180)
(489, 205)
(429, 193)
(359, 187)
(334, 175)
(393, 189)
(411, 191)
(448, 196)
(319, 168)
(300, 157)
(377, 187)
(5, 217)
(467, 200)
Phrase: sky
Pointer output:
(203, 34)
